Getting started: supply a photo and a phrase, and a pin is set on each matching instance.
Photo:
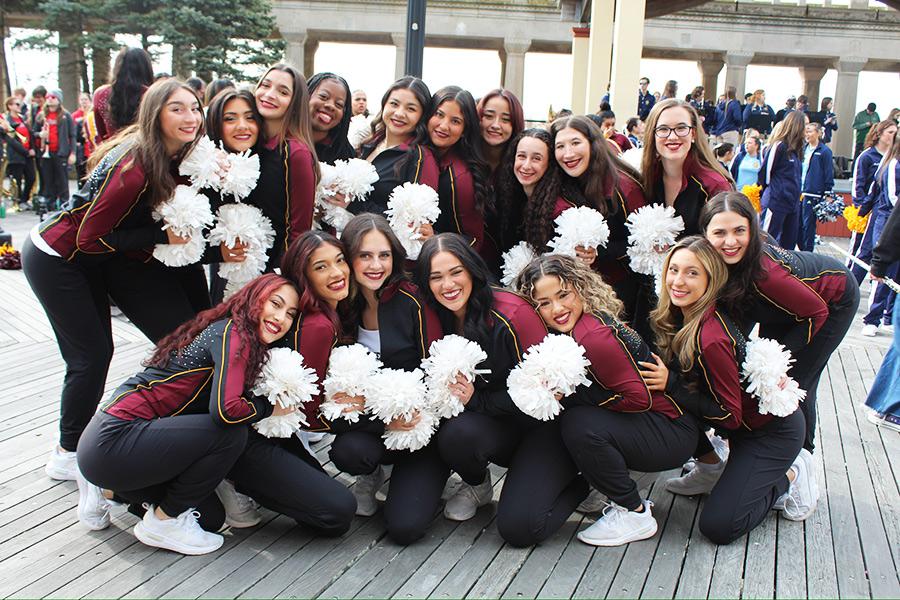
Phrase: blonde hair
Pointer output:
(597, 295)
(791, 133)
(676, 329)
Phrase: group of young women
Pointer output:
(174, 442)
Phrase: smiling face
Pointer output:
(374, 262)
(446, 125)
(531, 162)
(239, 129)
(573, 151)
(496, 121)
(278, 314)
(672, 147)
(273, 94)
(328, 274)
(729, 233)
(401, 114)
(686, 279)
(559, 305)
(450, 282)
(326, 106)
(180, 120)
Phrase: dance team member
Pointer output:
(701, 351)
(456, 138)
(386, 313)
(781, 178)
(617, 423)
(329, 97)
(67, 257)
(168, 435)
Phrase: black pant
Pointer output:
(74, 298)
(17, 173)
(175, 462)
(156, 298)
(282, 476)
(417, 480)
(56, 170)
(755, 477)
(542, 485)
(606, 444)
(811, 360)
(30, 177)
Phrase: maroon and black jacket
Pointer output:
(712, 389)
(314, 336)
(288, 194)
(459, 213)
(514, 327)
(698, 185)
(396, 166)
(792, 300)
(207, 376)
(614, 351)
(115, 216)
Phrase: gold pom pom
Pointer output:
(854, 221)
(752, 192)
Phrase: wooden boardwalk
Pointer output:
(849, 548)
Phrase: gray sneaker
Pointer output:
(803, 495)
(699, 480)
(240, 510)
(365, 489)
(466, 501)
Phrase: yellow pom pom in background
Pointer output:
(854, 221)
(752, 192)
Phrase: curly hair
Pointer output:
(597, 295)
(244, 309)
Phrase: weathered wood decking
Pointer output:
(849, 548)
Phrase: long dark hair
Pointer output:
(132, 74)
(293, 266)
(478, 309)
(340, 145)
(215, 86)
(216, 111)
(516, 113)
(244, 309)
(537, 212)
(351, 308)
(469, 145)
(423, 97)
(743, 275)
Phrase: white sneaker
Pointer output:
(93, 508)
(869, 330)
(182, 534)
(365, 489)
(240, 509)
(881, 420)
(466, 501)
(619, 526)
(700, 480)
(594, 503)
(802, 496)
(62, 466)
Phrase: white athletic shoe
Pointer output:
(619, 526)
(594, 503)
(62, 466)
(883, 420)
(240, 509)
(801, 498)
(466, 501)
(93, 508)
(182, 534)
(700, 480)
(869, 330)
(365, 489)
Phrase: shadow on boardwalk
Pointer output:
(850, 547)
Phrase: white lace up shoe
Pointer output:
(619, 526)
(801, 498)
(240, 510)
(181, 534)
(93, 508)
(365, 489)
(699, 480)
(466, 501)
(62, 466)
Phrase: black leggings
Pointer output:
(175, 462)
(17, 173)
(74, 298)
(417, 480)
(56, 170)
(542, 486)
(606, 444)
(755, 477)
(283, 476)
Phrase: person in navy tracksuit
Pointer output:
(758, 115)
(818, 179)
(780, 179)
(646, 99)
(729, 118)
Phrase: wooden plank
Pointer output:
(666, 568)
(473, 563)
(501, 571)
(697, 572)
(728, 574)
(759, 569)
(571, 567)
(544, 559)
(790, 560)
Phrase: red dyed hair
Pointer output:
(293, 266)
(244, 308)
(515, 108)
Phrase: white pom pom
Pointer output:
(281, 426)
(394, 393)
(651, 227)
(447, 357)
(634, 157)
(242, 174)
(579, 226)
(349, 370)
(555, 366)
(360, 130)
(414, 439)
(765, 366)
(355, 178)
(186, 213)
(247, 224)
(202, 164)
(411, 205)
(515, 260)
(180, 255)
(286, 382)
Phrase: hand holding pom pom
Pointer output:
(349, 370)
(184, 216)
(412, 205)
(765, 369)
(287, 383)
(448, 357)
(247, 224)
(554, 367)
(651, 227)
(581, 226)
(395, 394)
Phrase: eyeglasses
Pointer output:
(663, 132)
